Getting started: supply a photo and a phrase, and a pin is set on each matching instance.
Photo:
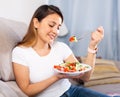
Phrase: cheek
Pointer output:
(45, 31)
(42, 31)
(43, 28)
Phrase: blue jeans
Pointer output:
(79, 91)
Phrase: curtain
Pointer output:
(82, 16)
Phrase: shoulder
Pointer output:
(20, 54)
(20, 49)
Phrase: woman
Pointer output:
(34, 57)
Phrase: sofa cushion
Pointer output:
(6, 91)
(0, 76)
(11, 32)
(15, 88)
(107, 88)
(105, 72)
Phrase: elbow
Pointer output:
(28, 93)
(85, 79)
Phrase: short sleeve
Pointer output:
(18, 56)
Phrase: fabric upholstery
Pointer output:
(11, 32)
(106, 88)
(13, 85)
(105, 72)
(6, 91)
(1, 95)
(0, 76)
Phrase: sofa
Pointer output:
(12, 31)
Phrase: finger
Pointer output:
(100, 29)
(96, 36)
(99, 33)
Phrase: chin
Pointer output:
(51, 41)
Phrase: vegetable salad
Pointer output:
(71, 67)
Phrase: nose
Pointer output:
(55, 31)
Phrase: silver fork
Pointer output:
(83, 35)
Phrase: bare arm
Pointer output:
(22, 79)
(96, 37)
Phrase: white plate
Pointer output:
(76, 72)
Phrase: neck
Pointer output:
(42, 49)
(41, 46)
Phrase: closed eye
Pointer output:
(51, 25)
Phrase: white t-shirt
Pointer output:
(41, 67)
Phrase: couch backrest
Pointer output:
(11, 32)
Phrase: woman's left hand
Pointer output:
(96, 37)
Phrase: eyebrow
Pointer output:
(55, 23)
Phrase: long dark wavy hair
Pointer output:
(30, 38)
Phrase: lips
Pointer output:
(52, 37)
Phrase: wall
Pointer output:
(20, 10)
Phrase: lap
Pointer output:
(80, 91)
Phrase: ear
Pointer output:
(36, 22)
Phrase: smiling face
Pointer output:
(48, 28)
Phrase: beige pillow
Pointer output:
(11, 32)
(105, 72)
